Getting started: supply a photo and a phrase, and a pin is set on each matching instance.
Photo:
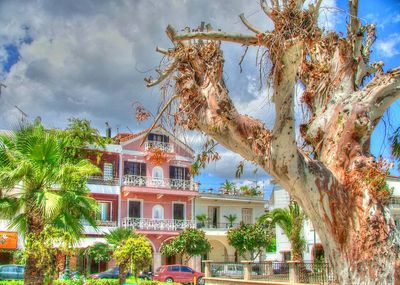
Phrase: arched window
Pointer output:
(158, 212)
(158, 173)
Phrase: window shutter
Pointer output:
(172, 172)
(126, 168)
(187, 173)
(143, 169)
(166, 139)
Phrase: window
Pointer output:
(174, 268)
(105, 211)
(108, 171)
(158, 212)
(134, 168)
(186, 269)
(158, 138)
(181, 173)
(178, 211)
(135, 209)
(158, 173)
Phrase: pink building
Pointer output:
(154, 188)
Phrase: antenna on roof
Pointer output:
(23, 114)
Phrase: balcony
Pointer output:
(235, 194)
(216, 226)
(147, 181)
(157, 224)
(165, 147)
(100, 223)
(101, 180)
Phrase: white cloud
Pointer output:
(389, 47)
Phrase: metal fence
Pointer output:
(304, 272)
(270, 271)
(318, 272)
(231, 270)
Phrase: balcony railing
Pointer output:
(216, 226)
(157, 224)
(101, 223)
(394, 202)
(103, 180)
(147, 181)
(166, 147)
(235, 193)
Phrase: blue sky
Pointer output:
(87, 58)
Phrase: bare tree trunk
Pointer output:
(122, 273)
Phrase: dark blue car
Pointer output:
(109, 273)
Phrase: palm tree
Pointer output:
(231, 219)
(202, 218)
(291, 221)
(41, 186)
(228, 187)
(118, 238)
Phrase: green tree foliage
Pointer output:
(99, 252)
(190, 242)
(44, 248)
(291, 220)
(51, 185)
(116, 239)
(252, 239)
(396, 145)
(134, 252)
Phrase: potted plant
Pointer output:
(202, 218)
(231, 219)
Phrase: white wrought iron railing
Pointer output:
(147, 181)
(157, 224)
(167, 147)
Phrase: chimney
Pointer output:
(108, 130)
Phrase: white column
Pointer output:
(156, 261)
(195, 263)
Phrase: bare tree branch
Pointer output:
(219, 36)
(163, 75)
(265, 8)
(249, 25)
(162, 50)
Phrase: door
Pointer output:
(213, 215)
(179, 211)
(247, 215)
(135, 209)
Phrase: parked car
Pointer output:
(146, 275)
(178, 273)
(109, 273)
(12, 272)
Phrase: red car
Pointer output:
(178, 273)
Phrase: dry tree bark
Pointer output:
(339, 184)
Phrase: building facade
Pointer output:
(280, 198)
(219, 207)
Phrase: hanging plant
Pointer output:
(157, 156)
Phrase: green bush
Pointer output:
(12, 282)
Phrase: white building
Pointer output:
(217, 205)
(281, 199)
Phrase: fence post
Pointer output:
(268, 268)
(207, 268)
(293, 278)
(247, 269)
